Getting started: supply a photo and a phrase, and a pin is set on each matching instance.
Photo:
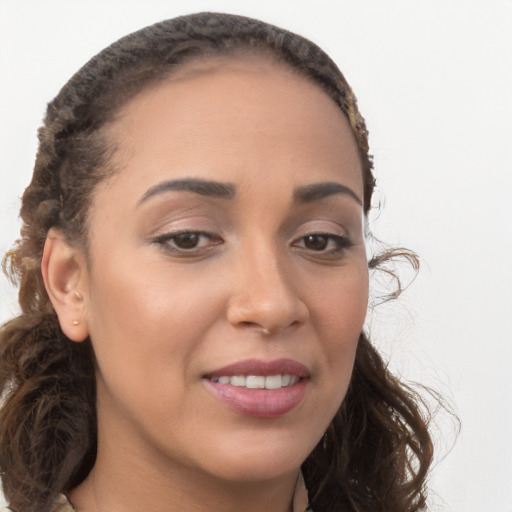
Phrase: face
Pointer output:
(227, 279)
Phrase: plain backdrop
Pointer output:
(434, 80)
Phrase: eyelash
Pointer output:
(342, 243)
(167, 241)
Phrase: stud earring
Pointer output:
(78, 296)
(75, 322)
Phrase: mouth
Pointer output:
(258, 381)
(262, 389)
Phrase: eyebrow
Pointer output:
(306, 194)
(317, 191)
(195, 185)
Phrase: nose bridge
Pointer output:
(264, 294)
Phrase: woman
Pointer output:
(194, 283)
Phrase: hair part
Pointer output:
(378, 449)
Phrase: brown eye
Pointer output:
(186, 240)
(186, 243)
(323, 245)
(316, 242)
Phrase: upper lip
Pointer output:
(264, 368)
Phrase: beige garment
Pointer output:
(62, 505)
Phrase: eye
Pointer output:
(187, 241)
(316, 242)
(323, 243)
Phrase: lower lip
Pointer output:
(260, 403)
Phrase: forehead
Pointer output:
(229, 112)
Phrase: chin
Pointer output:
(247, 471)
(261, 459)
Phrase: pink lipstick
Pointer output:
(263, 389)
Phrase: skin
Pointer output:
(161, 317)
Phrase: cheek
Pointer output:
(341, 304)
(145, 297)
(146, 323)
(339, 317)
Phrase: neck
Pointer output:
(124, 485)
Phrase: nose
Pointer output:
(265, 295)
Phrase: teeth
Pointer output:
(237, 380)
(255, 382)
(258, 381)
(274, 381)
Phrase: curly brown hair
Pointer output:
(377, 451)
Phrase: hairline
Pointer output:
(237, 50)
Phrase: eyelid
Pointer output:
(321, 227)
(333, 236)
(164, 241)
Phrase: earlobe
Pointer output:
(65, 278)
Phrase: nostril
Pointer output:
(257, 327)
(266, 309)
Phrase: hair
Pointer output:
(376, 452)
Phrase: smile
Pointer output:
(258, 381)
(261, 389)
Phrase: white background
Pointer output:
(434, 80)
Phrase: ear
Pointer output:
(65, 278)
